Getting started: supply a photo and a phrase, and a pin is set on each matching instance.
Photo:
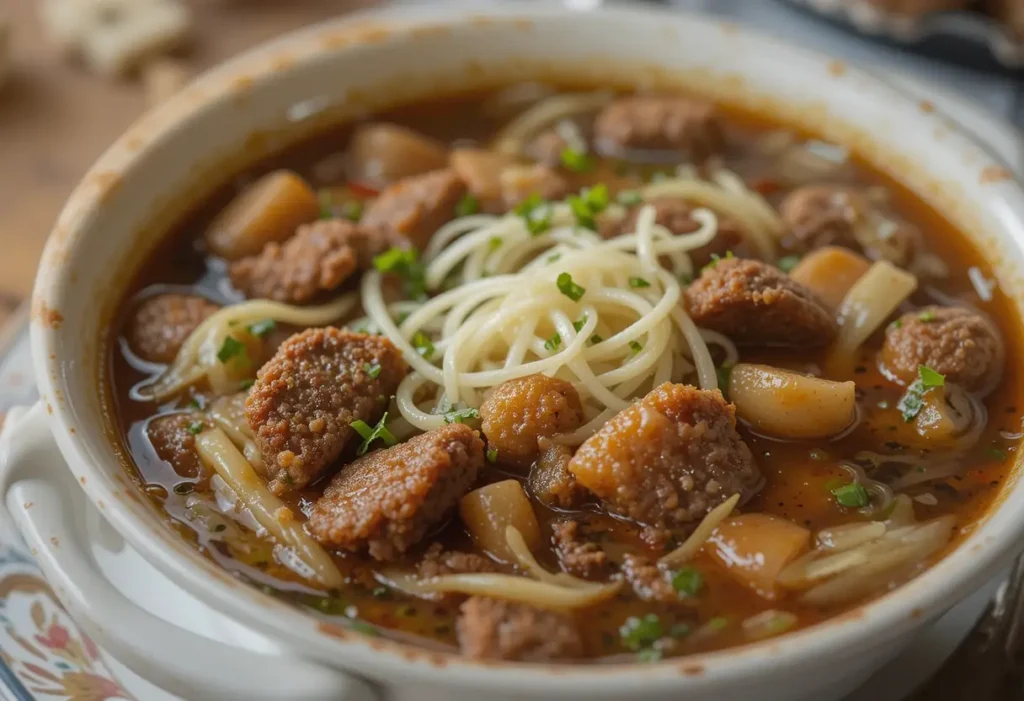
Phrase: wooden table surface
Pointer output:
(55, 118)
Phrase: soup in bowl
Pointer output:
(571, 361)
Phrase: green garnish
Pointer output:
(381, 593)
(492, 455)
(467, 204)
(629, 198)
(896, 324)
(554, 342)
(577, 161)
(246, 384)
(649, 655)
(369, 435)
(196, 427)
(404, 262)
(579, 323)
(231, 348)
(787, 263)
(635, 347)
(553, 257)
(423, 345)
(326, 204)
(930, 378)
(926, 316)
(461, 416)
(639, 633)
(595, 339)
(638, 282)
(715, 258)
(588, 204)
(262, 328)
(372, 370)
(724, 373)
(913, 399)
(194, 404)
(494, 243)
(569, 288)
(687, 581)
(852, 495)
(352, 210)
(536, 213)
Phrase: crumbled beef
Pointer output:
(438, 561)
(415, 207)
(579, 557)
(385, 502)
(521, 411)
(161, 324)
(550, 480)
(959, 343)
(756, 304)
(668, 459)
(491, 629)
(653, 122)
(650, 582)
(304, 399)
(173, 438)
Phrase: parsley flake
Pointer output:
(492, 455)
(715, 258)
(688, 581)
(852, 495)
(569, 288)
(196, 427)
(372, 370)
(554, 342)
(588, 204)
(352, 210)
(404, 262)
(927, 316)
(912, 401)
(576, 160)
(641, 633)
(638, 282)
(262, 328)
(369, 435)
(423, 345)
(635, 347)
(461, 416)
(467, 204)
(579, 323)
(231, 348)
(536, 212)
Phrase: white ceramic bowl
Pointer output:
(250, 106)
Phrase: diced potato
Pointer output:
(754, 548)
(830, 272)
(267, 210)
(787, 404)
(379, 154)
(488, 511)
(481, 170)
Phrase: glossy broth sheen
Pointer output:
(799, 474)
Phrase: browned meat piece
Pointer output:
(550, 479)
(385, 502)
(918, 8)
(481, 170)
(519, 412)
(438, 561)
(491, 629)
(956, 342)
(648, 581)
(161, 324)
(677, 216)
(652, 122)
(547, 148)
(416, 207)
(668, 459)
(756, 304)
(577, 556)
(317, 259)
(381, 153)
(519, 182)
(305, 398)
(175, 443)
(834, 215)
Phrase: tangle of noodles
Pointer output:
(513, 137)
(198, 355)
(508, 318)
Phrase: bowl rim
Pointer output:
(880, 620)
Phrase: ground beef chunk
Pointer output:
(416, 207)
(519, 412)
(317, 259)
(385, 502)
(550, 479)
(677, 216)
(162, 323)
(438, 561)
(833, 215)
(519, 182)
(648, 581)
(305, 397)
(668, 459)
(175, 443)
(577, 556)
(652, 122)
(756, 304)
(957, 342)
(491, 629)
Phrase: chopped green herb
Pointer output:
(554, 342)
(381, 593)
(930, 378)
(639, 633)
(687, 581)
(649, 655)
(927, 316)
(196, 427)
(581, 210)
(852, 495)
(553, 257)
(404, 262)
(262, 328)
(896, 324)
(231, 348)
(629, 198)
(183, 488)
(635, 347)
(246, 384)
(638, 282)
(569, 288)
(194, 404)
(913, 399)
(494, 243)
(577, 161)
(724, 373)
(679, 630)
(588, 204)
(787, 263)
(468, 204)
(372, 370)
(715, 258)
(595, 339)
(716, 624)
(352, 210)
(369, 435)
(492, 455)
(461, 416)
(326, 204)
(536, 213)
(423, 345)
(579, 323)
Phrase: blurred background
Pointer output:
(59, 110)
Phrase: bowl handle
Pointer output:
(49, 511)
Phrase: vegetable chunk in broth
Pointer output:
(546, 374)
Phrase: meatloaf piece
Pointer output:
(670, 458)
(415, 207)
(491, 629)
(385, 502)
(438, 561)
(959, 343)
(173, 438)
(676, 215)
(579, 557)
(650, 582)
(162, 323)
(756, 304)
(317, 259)
(306, 397)
(550, 479)
(521, 411)
(659, 122)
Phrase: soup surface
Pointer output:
(540, 374)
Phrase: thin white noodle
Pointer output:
(685, 552)
(507, 587)
(512, 138)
